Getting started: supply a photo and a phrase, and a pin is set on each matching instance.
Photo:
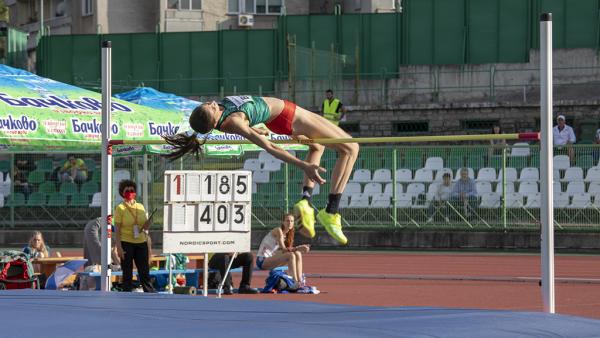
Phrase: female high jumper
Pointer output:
(238, 115)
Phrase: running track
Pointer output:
(458, 280)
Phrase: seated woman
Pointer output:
(277, 249)
(37, 248)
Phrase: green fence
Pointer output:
(427, 32)
(506, 180)
(190, 63)
(13, 47)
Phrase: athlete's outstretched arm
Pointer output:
(241, 127)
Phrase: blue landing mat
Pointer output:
(34, 313)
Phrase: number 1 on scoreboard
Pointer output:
(207, 183)
(176, 187)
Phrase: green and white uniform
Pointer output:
(255, 108)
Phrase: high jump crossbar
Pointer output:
(532, 136)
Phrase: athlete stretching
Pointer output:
(238, 115)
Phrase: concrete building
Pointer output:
(135, 16)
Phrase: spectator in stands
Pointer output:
(37, 248)
(441, 198)
(497, 145)
(92, 247)
(464, 192)
(22, 168)
(563, 136)
(220, 261)
(332, 108)
(277, 249)
(74, 170)
(131, 236)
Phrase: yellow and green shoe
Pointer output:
(306, 213)
(333, 225)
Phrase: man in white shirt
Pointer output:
(563, 135)
(442, 195)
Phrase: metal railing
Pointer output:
(506, 179)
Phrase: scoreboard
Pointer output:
(207, 211)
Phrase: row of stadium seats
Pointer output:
(413, 162)
(529, 174)
(55, 199)
(486, 201)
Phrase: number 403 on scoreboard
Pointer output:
(207, 201)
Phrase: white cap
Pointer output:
(560, 117)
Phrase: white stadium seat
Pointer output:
(580, 201)
(381, 201)
(361, 176)
(486, 175)
(415, 189)
(382, 176)
(352, 188)
(593, 175)
(404, 200)
(434, 163)
(533, 201)
(511, 175)
(359, 201)
(510, 187)
(252, 164)
(490, 201)
(272, 165)
(260, 176)
(574, 188)
(96, 200)
(573, 174)
(561, 200)
(423, 175)
(483, 187)
(388, 189)
(526, 188)
(403, 175)
(514, 200)
(372, 189)
(529, 175)
(561, 162)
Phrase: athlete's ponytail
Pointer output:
(183, 143)
(200, 121)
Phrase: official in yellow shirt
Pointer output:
(332, 108)
(131, 225)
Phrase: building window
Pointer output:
(87, 8)
(269, 6)
(478, 125)
(410, 127)
(185, 5)
(274, 7)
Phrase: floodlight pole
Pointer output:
(106, 189)
(546, 163)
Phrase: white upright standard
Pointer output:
(546, 164)
(207, 211)
(106, 189)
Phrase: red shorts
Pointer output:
(282, 124)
